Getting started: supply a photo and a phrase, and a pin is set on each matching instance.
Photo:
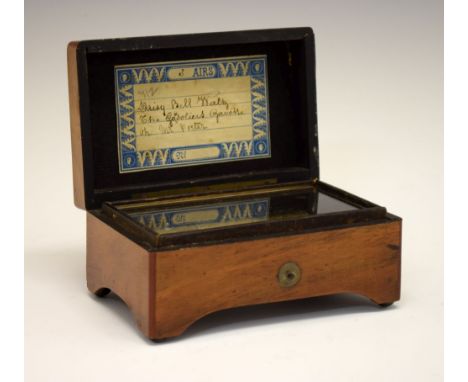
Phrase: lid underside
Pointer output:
(159, 113)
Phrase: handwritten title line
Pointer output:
(189, 120)
(191, 107)
(192, 131)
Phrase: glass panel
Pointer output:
(236, 211)
(327, 204)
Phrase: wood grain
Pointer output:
(115, 262)
(196, 281)
(75, 126)
(169, 290)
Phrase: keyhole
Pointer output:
(289, 274)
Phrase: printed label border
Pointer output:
(126, 76)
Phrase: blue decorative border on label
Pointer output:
(131, 159)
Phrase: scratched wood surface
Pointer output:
(169, 290)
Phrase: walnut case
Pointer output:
(177, 243)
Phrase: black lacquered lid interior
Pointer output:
(291, 100)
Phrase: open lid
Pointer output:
(157, 113)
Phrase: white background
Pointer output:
(380, 104)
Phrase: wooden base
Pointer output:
(167, 291)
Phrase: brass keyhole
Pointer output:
(289, 274)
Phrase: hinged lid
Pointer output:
(170, 112)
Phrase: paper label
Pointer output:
(188, 113)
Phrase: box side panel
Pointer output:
(75, 125)
(193, 282)
(117, 263)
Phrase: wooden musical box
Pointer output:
(196, 159)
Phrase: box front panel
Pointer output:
(193, 282)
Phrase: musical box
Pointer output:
(196, 159)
